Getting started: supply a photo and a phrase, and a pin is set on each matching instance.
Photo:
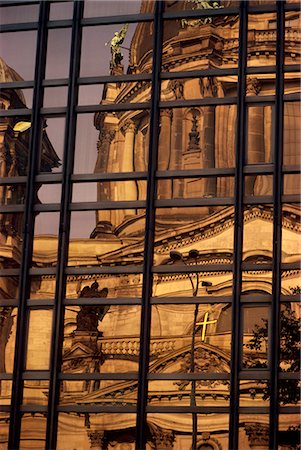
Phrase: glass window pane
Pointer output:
(101, 338)
(18, 55)
(38, 340)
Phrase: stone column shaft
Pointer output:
(255, 151)
(127, 190)
(164, 186)
(209, 149)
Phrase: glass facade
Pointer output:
(150, 225)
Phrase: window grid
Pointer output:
(66, 206)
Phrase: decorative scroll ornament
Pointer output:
(203, 20)
(194, 135)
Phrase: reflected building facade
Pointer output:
(193, 253)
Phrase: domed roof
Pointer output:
(7, 74)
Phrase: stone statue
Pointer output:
(89, 316)
(115, 44)
(201, 5)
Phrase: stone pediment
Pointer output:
(78, 350)
(208, 358)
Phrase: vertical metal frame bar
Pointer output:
(64, 231)
(28, 228)
(149, 229)
(277, 224)
(238, 226)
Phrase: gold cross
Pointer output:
(205, 323)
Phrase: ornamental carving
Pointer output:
(253, 86)
(106, 136)
(97, 439)
(177, 86)
(162, 438)
(258, 434)
(129, 126)
(208, 87)
(199, 4)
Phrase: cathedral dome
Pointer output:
(8, 75)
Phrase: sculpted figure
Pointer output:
(89, 316)
(116, 42)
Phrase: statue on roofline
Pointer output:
(89, 316)
(199, 4)
(115, 45)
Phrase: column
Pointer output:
(208, 87)
(255, 147)
(128, 189)
(103, 218)
(258, 435)
(97, 440)
(164, 186)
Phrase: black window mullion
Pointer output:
(28, 229)
(64, 231)
(277, 228)
(238, 227)
(149, 230)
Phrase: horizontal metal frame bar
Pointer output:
(198, 73)
(128, 78)
(92, 408)
(15, 27)
(182, 202)
(47, 207)
(6, 376)
(292, 7)
(39, 303)
(49, 178)
(289, 410)
(264, 169)
(290, 198)
(193, 173)
(290, 298)
(103, 270)
(9, 272)
(200, 13)
(33, 408)
(5, 408)
(253, 409)
(36, 271)
(7, 181)
(113, 176)
(169, 269)
(263, 200)
(57, 111)
(9, 302)
(107, 205)
(188, 409)
(5, 3)
(59, 23)
(291, 169)
(98, 376)
(289, 375)
(36, 375)
(113, 107)
(208, 101)
(102, 301)
(254, 374)
(190, 300)
(112, 20)
(189, 376)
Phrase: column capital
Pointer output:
(208, 87)
(163, 438)
(106, 135)
(253, 86)
(258, 434)
(129, 127)
(97, 439)
(166, 113)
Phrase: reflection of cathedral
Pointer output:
(185, 337)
